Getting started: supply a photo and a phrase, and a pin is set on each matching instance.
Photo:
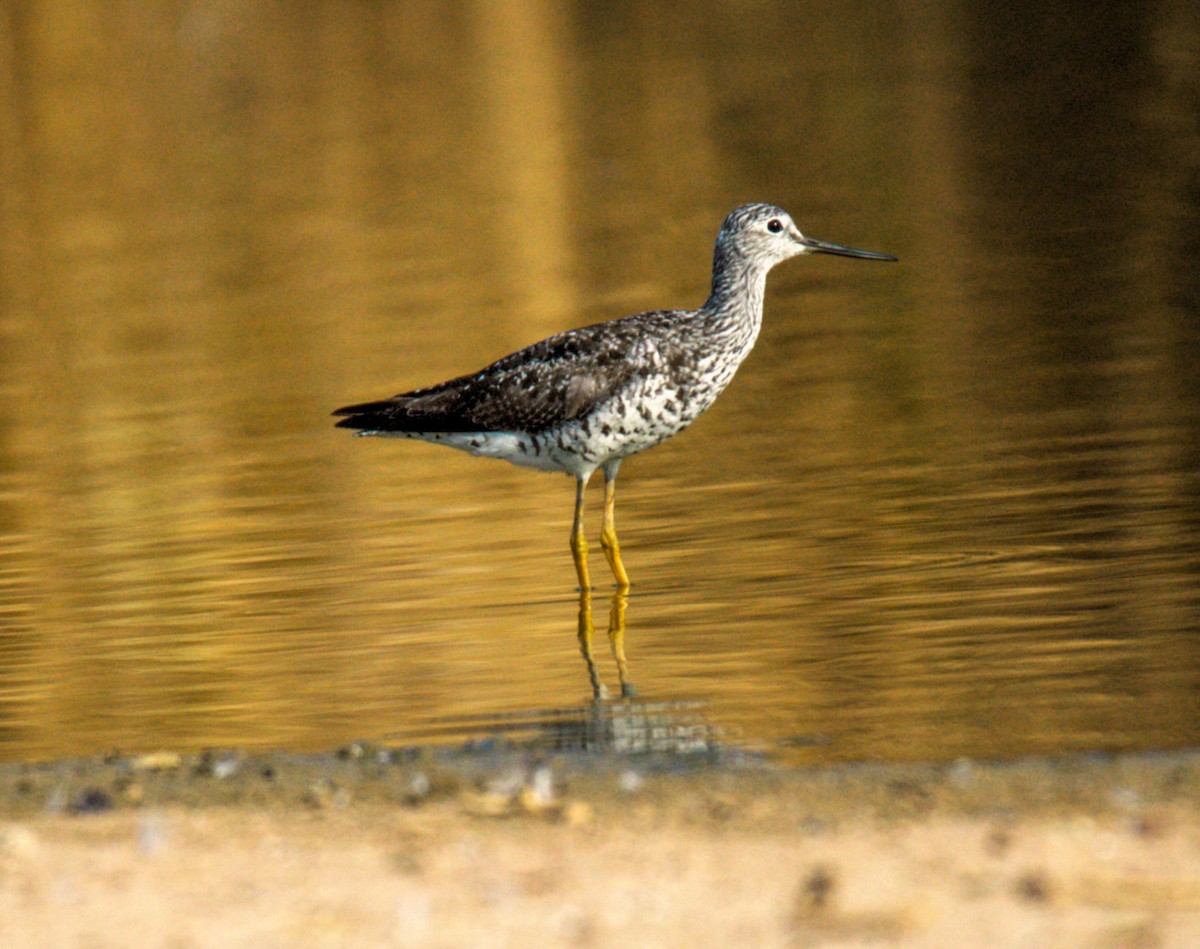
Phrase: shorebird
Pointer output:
(588, 398)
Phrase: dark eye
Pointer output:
(774, 225)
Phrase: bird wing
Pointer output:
(537, 388)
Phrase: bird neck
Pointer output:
(735, 305)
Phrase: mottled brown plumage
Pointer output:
(560, 379)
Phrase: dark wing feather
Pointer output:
(544, 385)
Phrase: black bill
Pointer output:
(824, 247)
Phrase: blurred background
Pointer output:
(949, 507)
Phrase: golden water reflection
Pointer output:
(947, 507)
(616, 638)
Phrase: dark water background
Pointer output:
(948, 507)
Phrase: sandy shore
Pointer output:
(370, 848)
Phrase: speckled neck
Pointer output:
(734, 308)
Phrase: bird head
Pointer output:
(767, 234)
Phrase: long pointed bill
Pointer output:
(824, 247)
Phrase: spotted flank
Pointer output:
(516, 447)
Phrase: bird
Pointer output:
(586, 399)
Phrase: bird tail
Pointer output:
(367, 417)
(417, 412)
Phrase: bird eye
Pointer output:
(774, 225)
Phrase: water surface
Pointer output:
(948, 507)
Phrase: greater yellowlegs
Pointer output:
(588, 398)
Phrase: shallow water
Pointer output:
(949, 506)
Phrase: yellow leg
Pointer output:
(608, 533)
(579, 544)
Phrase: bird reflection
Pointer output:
(616, 639)
(602, 725)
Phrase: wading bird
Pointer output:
(588, 398)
